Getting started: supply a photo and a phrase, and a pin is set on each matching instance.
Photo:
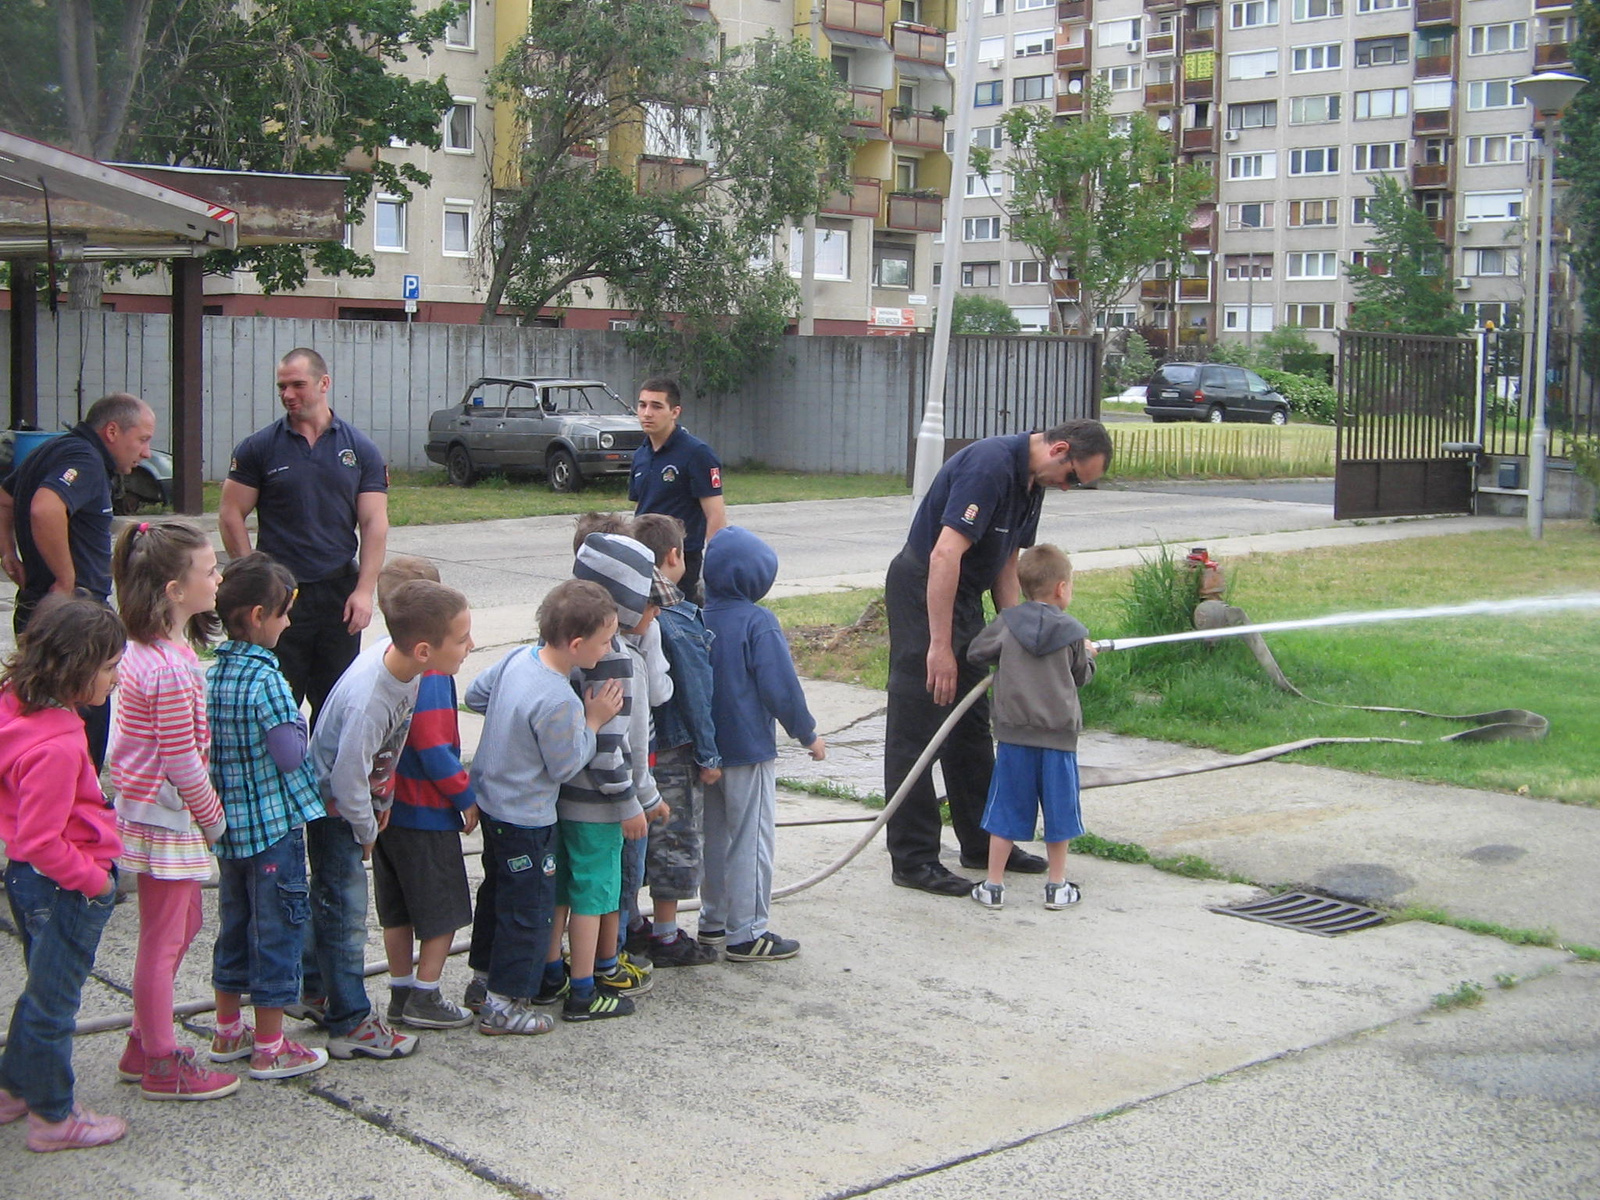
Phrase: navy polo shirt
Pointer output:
(307, 494)
(986, 494)
(674, 479)
(77, 467)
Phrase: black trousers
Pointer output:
(967, 757)
(317, 647)
(96, 718)
(689, 585)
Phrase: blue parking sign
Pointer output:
(411, 287)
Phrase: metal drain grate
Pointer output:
(1307, 913)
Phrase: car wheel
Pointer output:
(136, 492)
(1215, 415)
(1280, 416)
(562, 470)
(459, 467)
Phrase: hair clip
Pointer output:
(144, 526)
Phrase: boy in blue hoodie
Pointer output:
(755, 684)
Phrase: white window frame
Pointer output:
(832, 257)
(469, 43)
(970, 227)
(1480, 99)
(1372, 6)
(1235, 215)
(1033, 41)
(991, 50)
(969, 274)
(1332, 106)
(1396, 103)
(1330, 214)
(1516, 149)
(1500, 205)
(1253, 64)
(1258, 318)
(1030, 5)
(1364, 153)
(447, 143)
(1299, 157)
(1022, 268)
(1306, 10)
(1478, 36)
(1253, 108)
(1294, 314)
(1130, 74)
(1243, 267)
(1265, 163)
(1319, 56)
(454, 207)
(1111, 34)
(980, 188)
(1252, 14)
(380, 202)
(1433, 95)
(1300, 264)
(1505, 260)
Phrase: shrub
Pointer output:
(982, 314)
(1309, 398)
(1586, 460)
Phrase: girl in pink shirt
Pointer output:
(167, 810)
(61, 842)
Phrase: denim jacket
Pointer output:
(685, 719)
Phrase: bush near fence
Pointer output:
(1221, 451)
(1311, 399)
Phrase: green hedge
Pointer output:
(1308, 398)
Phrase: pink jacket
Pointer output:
(53, 815)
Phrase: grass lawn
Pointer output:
(1218, 697)
(424, 498)
(1192, 449)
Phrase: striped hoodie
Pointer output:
(431, 786)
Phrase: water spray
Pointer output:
(1536, 606)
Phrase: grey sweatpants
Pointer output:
(740, 830)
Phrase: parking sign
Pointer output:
(411, 287)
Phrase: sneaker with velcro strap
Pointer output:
(1059, 895)
(598, 1007)
(990, 895)
(519, 1017)
(766, 947)
(477, 992)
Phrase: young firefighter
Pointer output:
(1044, 657)
(358, 738)
(419, 878)
(755, 684)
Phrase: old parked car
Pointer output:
(569, 430)
(1215, 392)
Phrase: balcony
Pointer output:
(1200, 241)
(1074, 10)
(1433, 120)
(1159, 95)
(869, 106)
(914, 213)
(1068, 57)
(865, 200)
(1198, 89)
(1194, 289)
(1438, 12)
(1198, 39)
(920, 129)
(1069, 104)
(1552, 54)
(1442, 229)
(1155, 289)
(1433, 66)
(1550, 5)
(1430, 176)
(1199, 141)
(854, 16)
(919, 43)
(1162, 5)
(1065, 289)
(1160, 43)
(658, 173)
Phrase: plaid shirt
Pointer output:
(246, 695)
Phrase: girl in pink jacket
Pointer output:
(62, 844)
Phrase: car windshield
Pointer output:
(1178, 373)
(587, 398)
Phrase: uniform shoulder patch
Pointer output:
(69, 476)
(669, 474)
(971, 514)
(347, 457)
(716, 477)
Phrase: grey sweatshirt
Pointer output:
(359, 736)
(1044, 660)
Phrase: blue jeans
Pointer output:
(60, 932)
(633, 852)
(263, 907)
(336, 941)
(516, 904)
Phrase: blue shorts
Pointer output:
(1026, 779)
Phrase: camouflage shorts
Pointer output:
(673, 858)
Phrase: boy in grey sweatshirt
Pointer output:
(1044, 657)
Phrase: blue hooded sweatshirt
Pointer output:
(753, 676)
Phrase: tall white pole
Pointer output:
(1539, 438)
(930, 437)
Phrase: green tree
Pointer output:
(290, 85)
(1404, 286)
(982, 314)
(1580, 164)
(1104, 201)
(743, 143)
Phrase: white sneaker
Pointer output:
(1059, 895)
(990, 895)
(374, 1039)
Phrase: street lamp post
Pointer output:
(1550, 92)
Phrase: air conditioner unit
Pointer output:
(1135, 47)
(1462, 283)
(1463, 226)
(1230, 135)
(992, 63)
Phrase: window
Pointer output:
(1313, 212)
(1250, 216)
(911, 10)
(1036, 41)
(1240, 318)
(980, 274)
(1496, 312)
(991, 137)
(986, 94)
(1432, 96)
(1118, 33)
(905, 174)
(458, 34)
(1382, 52)
(991, 188)
(993, 8)
(1253, 166)
(1497, 39)
(1492, 93)
(1491, 206)
(1121, 79)
(1496, 148)
(1371, 6)
(980, 229)
(1248, 266)
(1328, 56)
(1246, 14)
(1029, 5)
(1317, 160)
(1314, 110)
(457, 240)
(458, 126)
(1380, 156)
(833, 253)
(1314, 264)
(1491, 261)
(1309, 316)
(1317, 10)
(1383, 102)
(683, 133)
(1261, 115)
(389, 230)
(1359, 209)
(938, 274)
(1435, 151)
(1257, 64)
(891, 266)
(1035, 87)
(1027, 270)
(991, 49)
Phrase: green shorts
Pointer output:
(589, 868)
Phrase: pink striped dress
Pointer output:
(160, 744)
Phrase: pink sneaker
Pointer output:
(291, 1059)
(12, 1108)
(226, 1048)
(180, 1077)
(132, 1067)
(81, 1130)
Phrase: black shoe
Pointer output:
(933, 877)
(1020, 862)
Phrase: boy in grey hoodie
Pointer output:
(1044, 657)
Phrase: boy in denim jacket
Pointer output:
(686, 757)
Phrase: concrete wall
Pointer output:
(823, 404)
(1567, 495)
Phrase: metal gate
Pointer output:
(1402, 401)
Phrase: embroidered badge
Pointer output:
(233, 464)
(347, 457)
(716, 477)
(971, 514)
(69, 475)
(549, 864)
(669, 474)
(519, 864)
